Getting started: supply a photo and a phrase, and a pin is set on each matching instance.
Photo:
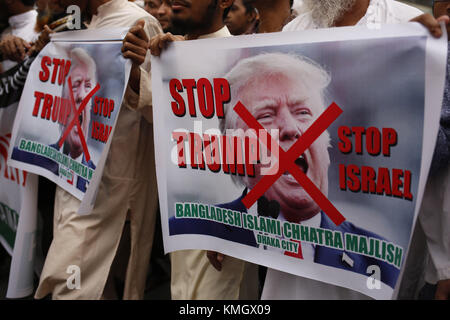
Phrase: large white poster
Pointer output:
(305, 152)
(69, 107)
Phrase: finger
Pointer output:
(429, 22)
(44, 38)
(141, 34)
(26, 44)
(32, 50)
(154, 45)
(20, 49)
(6, 47)
(140, 23)
(128, 46)
(212, 257)
(10, 48)
(165, 40)
(155, 51)
(47, 30)
(160, 42)
(216, 264)
(135, 58)
(163, 43)
(445, 19)
(130, 37)
(139, 30)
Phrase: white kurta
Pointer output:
(22, 26)
(280, 285)
(128, 187)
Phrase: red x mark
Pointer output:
(287, 159)
(75, 119)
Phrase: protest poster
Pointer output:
(18, 193)
(306, 152)
(69, 107)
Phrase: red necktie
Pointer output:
(297, 255)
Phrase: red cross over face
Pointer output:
(289, 105)
(82, 85)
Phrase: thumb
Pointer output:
(48, 30)
(444, 19)
(140, 23)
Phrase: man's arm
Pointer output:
(135, 47)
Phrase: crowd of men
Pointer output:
(122, 225)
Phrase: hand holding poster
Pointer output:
(304, 152)
(69, 107)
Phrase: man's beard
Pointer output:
(188, 26)
(326, 12)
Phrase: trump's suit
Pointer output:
(323, 255)
(50, 164)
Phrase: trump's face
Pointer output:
(289, 105)
(82, 84)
